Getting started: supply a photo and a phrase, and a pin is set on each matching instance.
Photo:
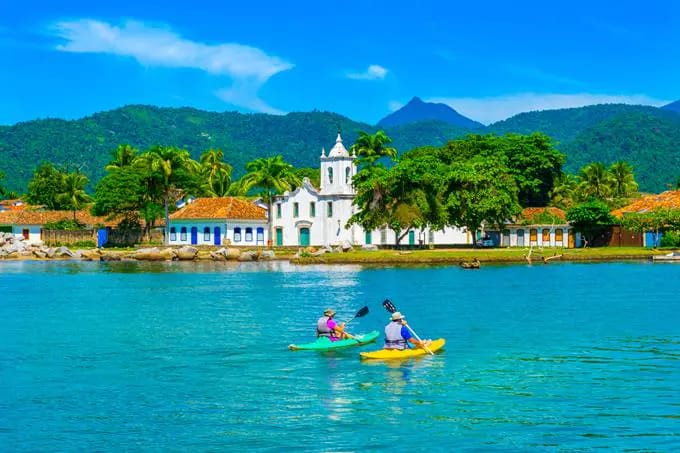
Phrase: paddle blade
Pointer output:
(363, 311)
(389, 306)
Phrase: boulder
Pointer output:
(346, 246)
(267, 255)
(63, 251)
(186, 253)
(110, 257)
(232, 253)
(148, 254)
(248, 256)
(39, 254)
(51, 252)
(369, 247)
(218, 256)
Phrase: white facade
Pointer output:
(218, 232)
(540, 236)
(29, 233)
(308, 216)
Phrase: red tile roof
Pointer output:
(669, 200)
(530, 213)
(220, 208)
(41, 217)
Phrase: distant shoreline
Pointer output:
(465, 257)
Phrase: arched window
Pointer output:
(206, 233)
(347, 173)
(330, 176)
(260, 235)
(183, 234)
(173, 234)
(237, 234)
(249, 235)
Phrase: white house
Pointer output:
(217, 221)
(537, 227)
(311, 216)
(28, 224)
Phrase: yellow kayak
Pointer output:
(394, 354)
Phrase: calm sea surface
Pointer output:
(193, 356)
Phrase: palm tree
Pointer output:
(595, 181)
(564, 193)
(170, 167)
(123, 156)
(272, 174)
(369, 148)
(622, 179)
(216, 172)
(73, 195)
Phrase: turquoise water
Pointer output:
(193, 356)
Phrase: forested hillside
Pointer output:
(647, 137)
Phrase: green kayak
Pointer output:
(324, 344)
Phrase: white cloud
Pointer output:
(491, 109)
(374, 72)
(156, 46)
(394, 105)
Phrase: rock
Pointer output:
(346, 246)
(148, 254)
(50, 252)
(186, 253)
(110, 257)
(369, 247)
(267, 255)
(320, 252)
(232, 253)
(63, 251)
(90, 255)
(39, 254)
(217, 256)
(248, 256)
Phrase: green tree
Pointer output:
(123, 157)
(622, 179)
(564, 192)
(120, 192)
(370, 148)
(171, 170)
(311, 173)
(480, 190)
(535, 164)
(595, 182)
(592, 219)
(216, 173)
(73, 196)
(271, 174)
(47, 183)
(2, 189)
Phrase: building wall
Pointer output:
(233, 232)
(33, 232)
(540, 241)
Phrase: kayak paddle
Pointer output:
(389, 306)
(363, 311)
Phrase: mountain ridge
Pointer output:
(418, 110)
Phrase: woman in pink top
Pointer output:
(327, 327)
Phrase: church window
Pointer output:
(347, 173)
(330, 176)
(296, 209)
(278, 210)
(330, 209)
(312, 209)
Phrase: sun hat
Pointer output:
(329, 312)
(396, 316)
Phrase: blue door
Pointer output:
(411, 237)
(218, 236)
(304, 237)
(194, 235)
(102, 237)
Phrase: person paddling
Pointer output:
(327, 327)
(397, 335)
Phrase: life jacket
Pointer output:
(393, 338)
(322, 329)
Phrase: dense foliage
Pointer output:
(645, 137)
(592, 219)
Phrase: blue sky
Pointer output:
(488, 60)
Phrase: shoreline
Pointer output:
(378, 257)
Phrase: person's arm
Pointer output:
(339, 329)
(406, 334)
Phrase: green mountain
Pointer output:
(646, 137)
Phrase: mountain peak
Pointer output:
(418, 110)
(673, 106)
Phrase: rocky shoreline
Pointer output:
(13, 248)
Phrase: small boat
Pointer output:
(673, 256)
(396, 354)
(324, 344)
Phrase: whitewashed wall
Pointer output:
(236, 231)
(33, 232)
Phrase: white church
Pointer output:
(309, 216)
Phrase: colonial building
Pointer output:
(311, 216)
(217, 221)
(537, 227)
(28, 224)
